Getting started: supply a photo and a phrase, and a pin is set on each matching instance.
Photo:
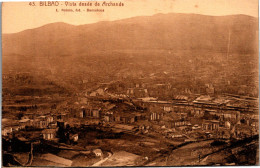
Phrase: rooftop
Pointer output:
(24, 120)
(49, 131)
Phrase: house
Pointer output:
(137, 92)
(63, 116)
(198, 112)
(9, 125)
(180, 98)
(82, 113)
(54, 117)
(52, 125)
(211, 112)
(196, 127)
(85, 112)
(229, 115)
(29, 115)
(167, 108)
(242, 131)
(181, 122)
(49, 119)
(16, 128)
(96, 113)
(109, 118)
(117, 119)
(154, 116)
(49, 134)
(227, 124)
(7, 130)
(25, 122)
(133, 119)
(39, 123)
(254, 123)
(176, 135)
(127, 119)
(74, 137)
(98, 152)
(210, 125)
(210, 89)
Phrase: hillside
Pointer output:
(191, 48)
(161, 31)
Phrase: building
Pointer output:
(40, 123)
(96, 113)
(9, 125)
(210, 89)
(7, 130)
(25, 122)
(176, 135)
(137, 92)
(98, 152)
(227, 124)
(63, 116)
(52, 125)
(106, 118)
(82, 113)
(210, 125)
(228, 115)
(155, 116)
(49, 119)
(117, 118)
(198, 112)
(49, 134)
(29, 115)
(90, 112)
(16, 128)
(178, 123)
(74, 137)
(109, 118)
(127, 119)
(167, 108)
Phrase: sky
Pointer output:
(19, 16)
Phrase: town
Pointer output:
(129, 87)
(184, 119)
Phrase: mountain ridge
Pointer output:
(161, 31)
(157, 14)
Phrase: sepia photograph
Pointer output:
(102, 83)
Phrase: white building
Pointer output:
(98, 152)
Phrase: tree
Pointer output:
(20, 115)
(61, 134)
(243, 121)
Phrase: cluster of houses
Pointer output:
(204, 114)
(110, 113)
(212, 115)
(8, 126)
(148, 88)
(48, 125)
